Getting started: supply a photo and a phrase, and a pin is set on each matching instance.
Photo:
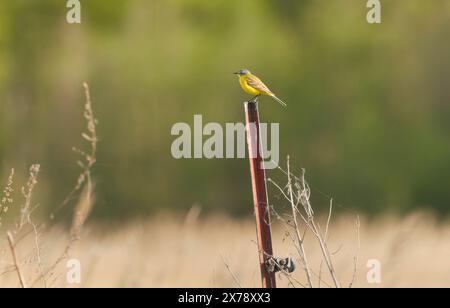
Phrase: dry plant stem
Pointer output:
(320, 274)
(61, 258)
(302, 197)
(84, 206)
(81, 211)
(305, 266)
(235, 278)
(327, 257)
(317, 233)
(329, 219)
(16, 261)
(317, 275)
(288, 226)
(297, 229)
(7, 199)
(88, 158)
(86, 163)
(38, 252)
(356, 258)
(25, 210)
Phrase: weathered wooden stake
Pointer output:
(260, 199)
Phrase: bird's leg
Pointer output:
(255, 99)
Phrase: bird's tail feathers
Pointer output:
(279, 101)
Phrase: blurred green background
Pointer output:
(368, 113)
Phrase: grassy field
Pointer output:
(213, 251)
(208, 252)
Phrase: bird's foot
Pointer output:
(254, 99)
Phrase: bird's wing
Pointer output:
(256, 83)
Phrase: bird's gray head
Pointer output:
(242, 72)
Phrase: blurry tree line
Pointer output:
(368, 105)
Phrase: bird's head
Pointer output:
(242, 72)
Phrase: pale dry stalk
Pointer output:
(16, 260)
(300, 199)
(297, 230)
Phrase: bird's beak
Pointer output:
(236, 73)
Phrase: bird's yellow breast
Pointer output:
(247, 88)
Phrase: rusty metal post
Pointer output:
(260, 199)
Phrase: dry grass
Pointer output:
(168, 252)
(22, 248)
(214, 251)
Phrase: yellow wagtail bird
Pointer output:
(254, 86)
